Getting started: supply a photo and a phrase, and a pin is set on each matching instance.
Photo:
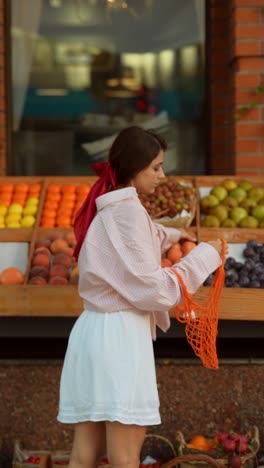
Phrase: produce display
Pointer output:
(230, 448)
(172, 199)
(19, 204)
(248, 273)
(233, 203)
(53, 262)
(62, 203)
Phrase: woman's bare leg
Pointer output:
(124, 443)
(89, 445)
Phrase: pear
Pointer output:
(228, 222)
(229, 184)
(261, 202)
(237, 214)
(249, 222)
(256, 192)
(219, 192)
(210, 221)
(245, 185)
(261, 224)
(208, 202)
(248, 203)
(258, 212)
(230, 202)
(220, 211)
(238, 193)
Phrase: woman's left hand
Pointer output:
(187, 235)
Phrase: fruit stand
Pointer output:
(60, 299)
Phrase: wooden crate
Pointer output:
(231, 235)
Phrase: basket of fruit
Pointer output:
(173, 203)
(23, 458)
(229, 449)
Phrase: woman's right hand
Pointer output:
(217, 245)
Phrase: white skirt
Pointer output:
(109, 370)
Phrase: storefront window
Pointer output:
(84, 69)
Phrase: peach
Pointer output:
(42, 250)
(58, 245)
(165, 262)
(41, 260)
(68, 251)
(187, 246)
(39, 280)
(58, 280)
(39, 271)
(70, 238)
(174, 254)
(42, 243)
(62, 259)
(59, 270)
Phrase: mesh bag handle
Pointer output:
(202, 319)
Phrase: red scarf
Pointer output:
(87, 212)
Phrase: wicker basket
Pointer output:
(191, 458)
(48, 459)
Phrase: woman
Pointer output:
(108, 383)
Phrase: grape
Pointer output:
(255, 284)
(244, 281)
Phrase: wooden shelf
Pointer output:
(64, 301)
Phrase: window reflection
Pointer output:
(84, 69)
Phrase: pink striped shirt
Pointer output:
(119, 262)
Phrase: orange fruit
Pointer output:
(47, 222)
(53, 188)
(33, 193)
(11, 275)
(50, 205)
(53, 196)
(4, 202)
(7, 187)
(83, 189)
(68, 188)
(6, 196)
(21, 187)
(35, 187)
(19, 199)
(63, 221)
(199, 442)
(49, 214)
(67, 204)
(68, 196)
(214, 442)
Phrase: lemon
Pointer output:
(30, 210)
(28, 221)
(32, 201)
(12, 217)
(2, 225)
(13, 224)
(15, 208)
(3, 209)
(2, 219)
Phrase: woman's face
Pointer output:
(149, 178)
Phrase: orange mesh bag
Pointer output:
(202, 319)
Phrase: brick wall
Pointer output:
(235, 69)
(247, 65)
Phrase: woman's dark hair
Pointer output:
(133, 150)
